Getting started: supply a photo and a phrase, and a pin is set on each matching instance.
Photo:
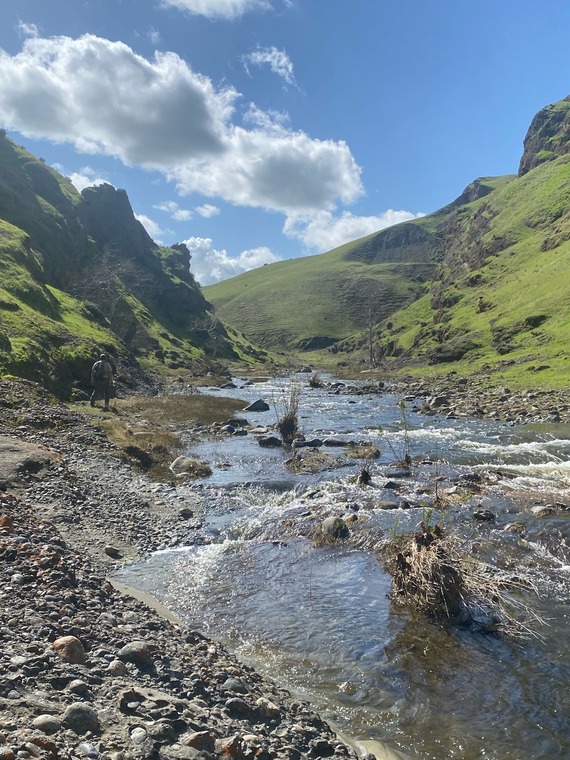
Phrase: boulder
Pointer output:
(333, 529)
(258, 406)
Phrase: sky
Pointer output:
(261, 130)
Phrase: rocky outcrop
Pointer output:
(405, 242)
(474, 190)
(548, 136)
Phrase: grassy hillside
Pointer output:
(312, 303)
(480, 285)
(80, 274)
(315, 301)
(501, 301)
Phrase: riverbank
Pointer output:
(86, 670)
(74, 505)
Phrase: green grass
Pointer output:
(79, 274)
(282, 304)
(525, 280)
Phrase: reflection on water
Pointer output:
(320, 620)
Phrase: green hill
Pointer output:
(481, 284)
(314, 302)
(80, 274)
(501, 297)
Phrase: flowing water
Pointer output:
(320, 621)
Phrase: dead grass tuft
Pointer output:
(434, 573)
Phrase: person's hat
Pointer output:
(103, 357)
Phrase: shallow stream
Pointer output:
(319, 620)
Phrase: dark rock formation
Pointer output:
(548, 136)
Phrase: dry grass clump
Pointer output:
(434, 573)
(288, 419)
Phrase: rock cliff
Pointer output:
(548, 136)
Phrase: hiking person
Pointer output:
(102, 381)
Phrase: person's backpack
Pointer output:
(98, 370)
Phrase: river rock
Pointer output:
(314, 443)
(270, 441)
(181, 465)
(336, 442)
(200, 740)
(6, 523)
(257, 406)
(81, 718)
(46, 723)
(333, 529)
(138, 653)
(138, 735)
(117, 668)
(266, 708)
(112, 551)
(70, 649)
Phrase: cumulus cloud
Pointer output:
(104, 98)
(217, 9)
(210, 265)
(85, 177)
(153, 229)
(277, 60)
(207, 210)
(177, 213)
(288, 172)
(322, 231)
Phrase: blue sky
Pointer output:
(258, 130)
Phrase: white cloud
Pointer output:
(210, 265)
(274, 122)
(153, 229)
(322, 231)
(28, 30)
(85, 177)
(228, 9)
(104, 98)
(154, 36)
(289, 172)
(207, 210)
(277, 60)
(177, 213)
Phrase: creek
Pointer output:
(319, 620)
